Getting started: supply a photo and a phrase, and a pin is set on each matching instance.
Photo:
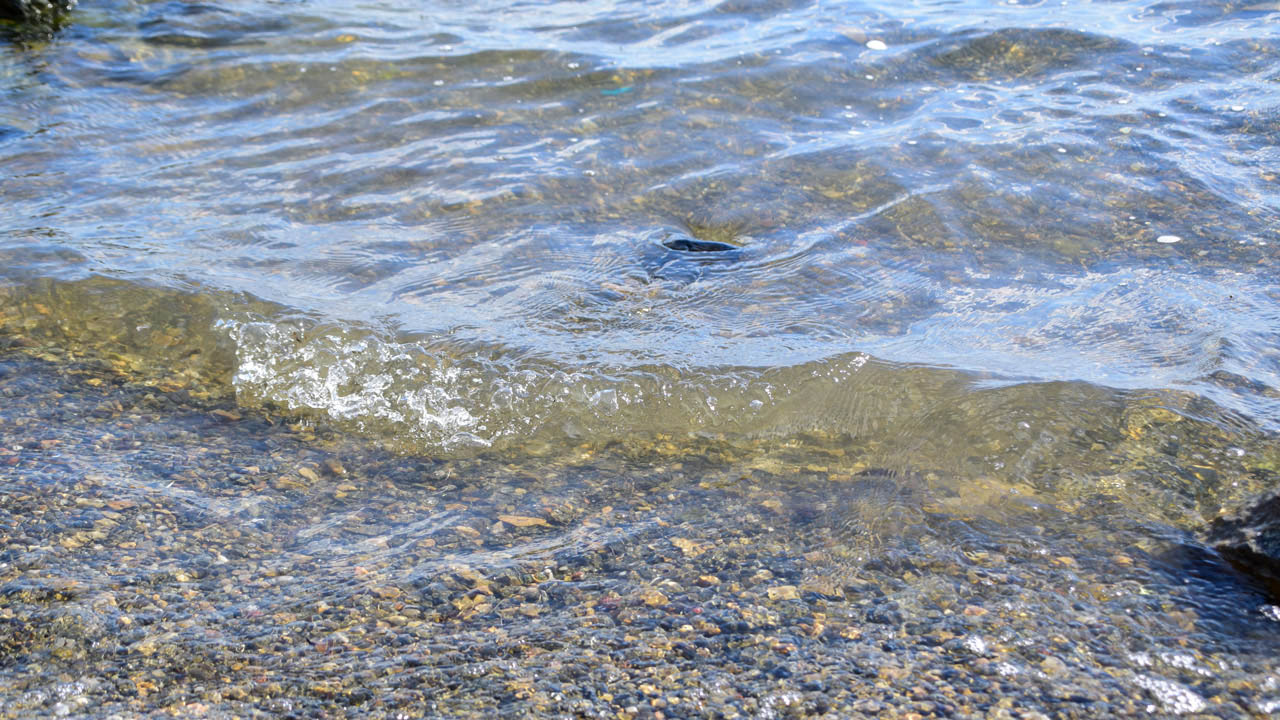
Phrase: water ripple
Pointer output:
(981, 189)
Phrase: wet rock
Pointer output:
(1249, 539)
(783, 592)
(688, 244)
(40, 17)
(683, 258)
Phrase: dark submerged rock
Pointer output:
(26, 20)
(688, 244)
(34, 10)
(682, 259)
(1249, 539)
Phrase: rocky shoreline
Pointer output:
(165, 555)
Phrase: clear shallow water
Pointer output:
(1001, 302)
(487, 187)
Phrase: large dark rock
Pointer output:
(1250, 539)
(37, 12)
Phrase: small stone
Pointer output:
(876, 45)
(1168, 239)
(869, 706)
(893, 672)
(284, 482)
(784, 592)
(1052, 666)
(708, 580)
(688, 547)
(974, 611)
(522, 521)
(653, 598)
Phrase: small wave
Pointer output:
(435, 396)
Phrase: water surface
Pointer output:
(1016, 253)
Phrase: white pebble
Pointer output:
(1237, 108)
(975, 645)
(876, 45)
(1168, 239)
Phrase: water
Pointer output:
(445, 229)
(1020, 253)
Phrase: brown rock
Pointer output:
(653, 598)
(522, 521)
(784, 592)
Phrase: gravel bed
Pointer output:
(167, 553)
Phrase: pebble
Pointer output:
(783, 592)
(523, 521)
(1052, 666)
(876, 45)
(1168, 239)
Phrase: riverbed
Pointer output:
(628, 359)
